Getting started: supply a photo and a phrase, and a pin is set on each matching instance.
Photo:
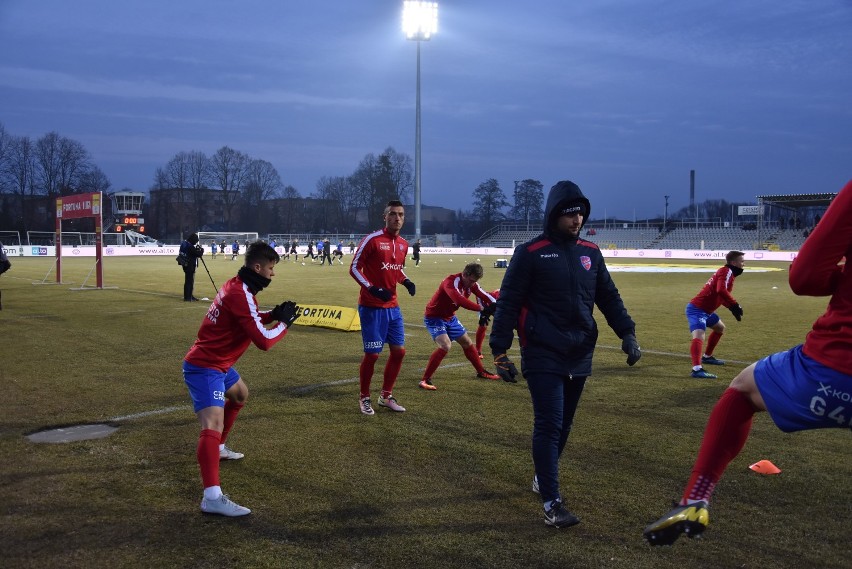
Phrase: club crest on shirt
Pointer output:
(586, 262)
(402, 247)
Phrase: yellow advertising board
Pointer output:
(324, 316)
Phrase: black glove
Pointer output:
(505, 368)
(737, 311)
(484, 320)
(488, 311)
(410, 286)
(630, 346)
(286, 312)
(382, 294)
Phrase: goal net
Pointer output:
(10, 238)
(205, 238)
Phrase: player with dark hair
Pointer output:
(549, 293)
(443, 325)
(377, 267)
(806, 387)
(416, 253)
(701, 313)
(218, 393)
(188, 254)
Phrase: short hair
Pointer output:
(473, 270)
(393, 203)
(259, 251)
(733, 255)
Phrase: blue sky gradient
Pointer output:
(624, 97)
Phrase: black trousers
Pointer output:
(188, 282)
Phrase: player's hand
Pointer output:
(737, 311)
(382, 294)
(286, 312)
(505, 368)
(630, 346)
(484, 320)
(410, 286)
(488, 311)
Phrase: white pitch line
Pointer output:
(149, 413)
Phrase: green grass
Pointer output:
(445, 484)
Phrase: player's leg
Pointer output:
(372, 325)
(472, 356)
(207, 390)
(236, 393)
(438, 331)
(717, 330)
(480, 338)
(725, 435)
(698, 322)
(395, 339)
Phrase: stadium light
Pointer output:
(419, 23)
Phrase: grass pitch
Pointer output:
(445, 484)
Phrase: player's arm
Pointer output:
(452, 292)
(815, 270)
(249, 318)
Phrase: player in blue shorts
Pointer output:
(231, 324)
(806, 387)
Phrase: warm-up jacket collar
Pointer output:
(254, 281)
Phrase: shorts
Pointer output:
(452, 328)
(698, 319)
(800, 393)
(207, 386)
(380, 326)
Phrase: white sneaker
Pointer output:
(223, 506)
(228, 454)
(390, 403)
(366, 406)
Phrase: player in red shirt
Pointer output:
(378, 267)
(233, 321)
(443, 325)
(701, 313)
(806, 387)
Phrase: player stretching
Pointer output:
(218, 392)
(806, 387)
(701, 313)
(444, 326)
(378, 267)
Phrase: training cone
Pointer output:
(765, 467)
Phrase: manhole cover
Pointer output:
(73, 433)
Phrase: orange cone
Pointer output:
(765, 467)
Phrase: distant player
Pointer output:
(443, 325)
(213, 249)
(218, 393)
(235, 249)
(338, 252)
(701, 313)
(806, 387)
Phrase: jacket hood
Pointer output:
(561, 194)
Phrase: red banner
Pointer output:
(80, 205)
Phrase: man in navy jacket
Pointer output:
(548, 294)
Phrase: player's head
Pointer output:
(735, 258)
(472, 272)
(394, 216)
(261, 258)
(193, 238)
(567, 209)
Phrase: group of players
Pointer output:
(547, 295)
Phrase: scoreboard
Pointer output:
(132, 222)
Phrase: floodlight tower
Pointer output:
(419, 22)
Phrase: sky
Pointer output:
(623, 97)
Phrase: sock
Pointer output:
(434, 361)
(392, 370)
(695, 348)
(232, 409)
(207, 454)
(212, 492)
(365, 372)
(480, 337)
(711, 342)
(724, 437)
(473, 357)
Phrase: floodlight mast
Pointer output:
(419, 23)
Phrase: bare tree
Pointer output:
(94, 180)
(229, 170)
(378, 180)
(60, 162)
(289, 212)
(529, 201)
(489, 201)
(337, 192)
(5, 159)
(21, 175)
(262, 182)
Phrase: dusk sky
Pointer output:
(624, 97)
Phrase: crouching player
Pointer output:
(443, 325)
(806, 387)
(233, 321)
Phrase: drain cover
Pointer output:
(73, 433)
